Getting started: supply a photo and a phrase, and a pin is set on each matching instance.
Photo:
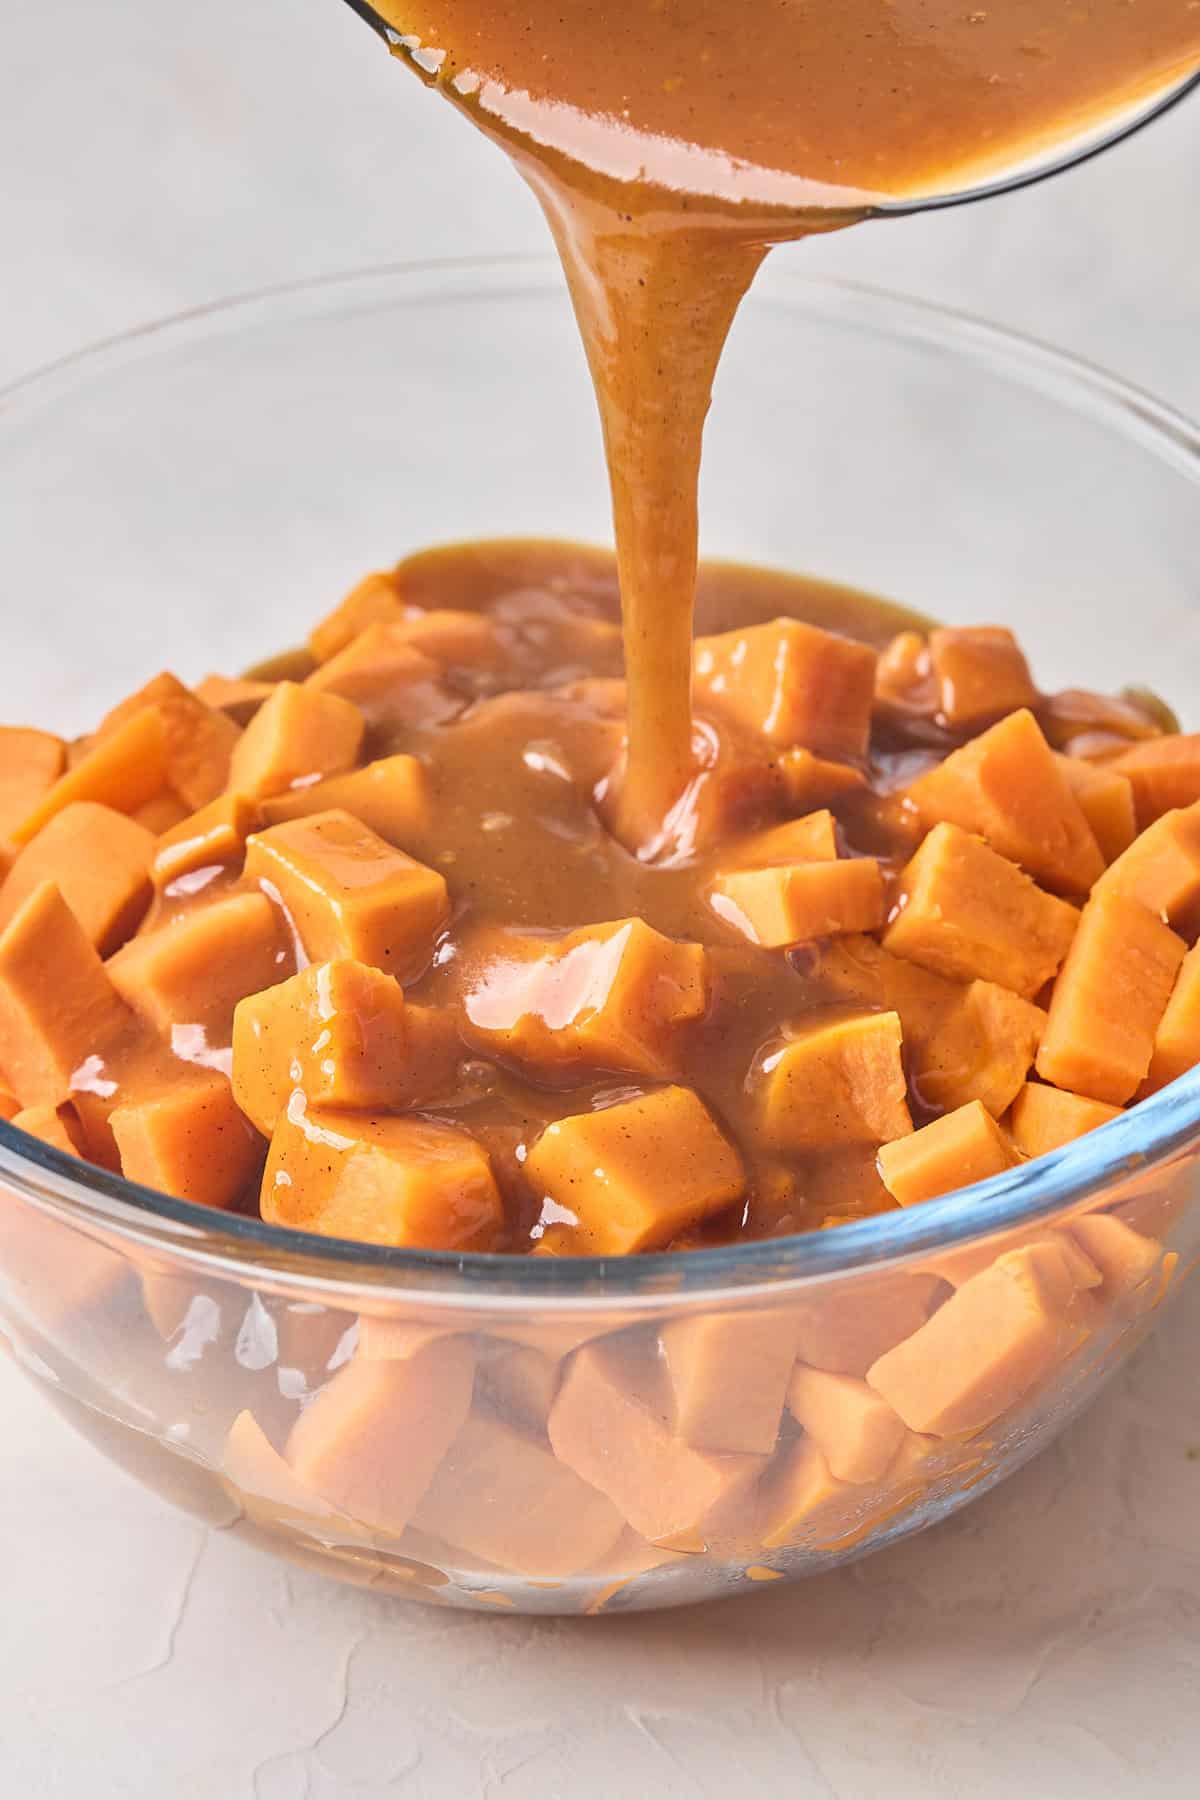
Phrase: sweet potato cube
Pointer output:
(1177, 1040)
(188, 1140)
(99, 861)
(1125, 1258)
(1106, 798)
(503, 1496)
(1161, 868)
(979, 672)
(613, 995)
(50, 1125)
(57, 1004)
(791, 683)
(841, 1083)
(997, 1336)
(269, 1493)
(812, 838)
(375, 600)
(811, 781)
(964, 1147)
(207, 839)
(728, 1375)
(343, 1034)
(399, 1181)
(197, 740)
(390, 681)
(462, 640)
(850, 1328)
(389, 797)
(235, 696)
(789, 904)
(983, 1049)
(123, 770)
(967, 913)
(611, 1424)
(520, 1384)
(296, 738)
(801, 1498)
(1046, 1118)
(854, 1427)
(160, 815)
(10, 1106)
(1164, 773)
(635, 1175)
(30, 763)
(373, 1438)
(1109, 1000)
(1006, 787)
(164, 686)
(194, 971)
(350, 894)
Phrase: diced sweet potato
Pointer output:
(122, 770)
(197, 740)
(30, 763)
(611, 1424)
(390, 797)
(519, 1383)
(387, 1339)
(964, 1147)
(839, 1083)
(798, 901)
(57, 1004)
(1106, 798)
(1001, 1333)
(237, 697)
(966, 913)
(189, 1140)
(164, 686)
(1046, 1118)
(195, 970)
(980, 672)
(633, 1176)
(904, 673)
(54, 1274)
(810, 780)
(343, 1034)
(812, 838)
(502, 1496)
(1164, 773)
(10, 1106)
(983, 1049)
(615, 996)
(1125, 1258)
(350, 894)
(1177, 1040)
(50, 1125)
(850, 1329)
(373, 1438)
(269, 1493)
(297, 738)
(1109, 1000)
(207, 839)
(99, 861)
(1161, 868)
(457, 640)
(792, 683)
(801, 1499)
(1006, 786)
(398, 1181)
(391, 682)
(160, 815)
(728, 1375)
(375, 600)
(854, 1427)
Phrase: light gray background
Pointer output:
(1047, 1643)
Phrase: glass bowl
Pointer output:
(196, 494)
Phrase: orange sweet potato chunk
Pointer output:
(50, 1125)
(634, 1175)
(296, 738)
(502, 1496)
(188, 1140)
(1164, 773)
(611, 1423)
(389, 796)
(1106, 798)
(195, 970)
(160, 815)
(966, 913)
(983, 1049)
(343, 1034)
(615, 996)
(350, 894)
(1126, 1259)
(375, 600)
(964, 1147)
(999, 1334)
(57, 1004)
(235, 696)
(468, 641)
(855, 1429)
(519, 1383)
(10, 1106)
(30, 763)
(390, 681)
(1109, 1000)
(99, 860)
(849, 1329)
(123, 769)
(979, 672)
(812, 838)
(1045, 1118)
(793, 903)
(207, 839)
(372, 1440)
(401, 1181)
(838, 1083)
(1005, 786)
(801, 1499)
(198, 741)
(811, 781)
(1177, 1040)
(269, 1493)
(728, 1375)
(1161, 868)
(791, 683)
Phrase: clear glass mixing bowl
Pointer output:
(194, 495)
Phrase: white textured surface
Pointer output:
(1046, 1643)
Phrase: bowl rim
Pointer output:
(1158, 1130)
